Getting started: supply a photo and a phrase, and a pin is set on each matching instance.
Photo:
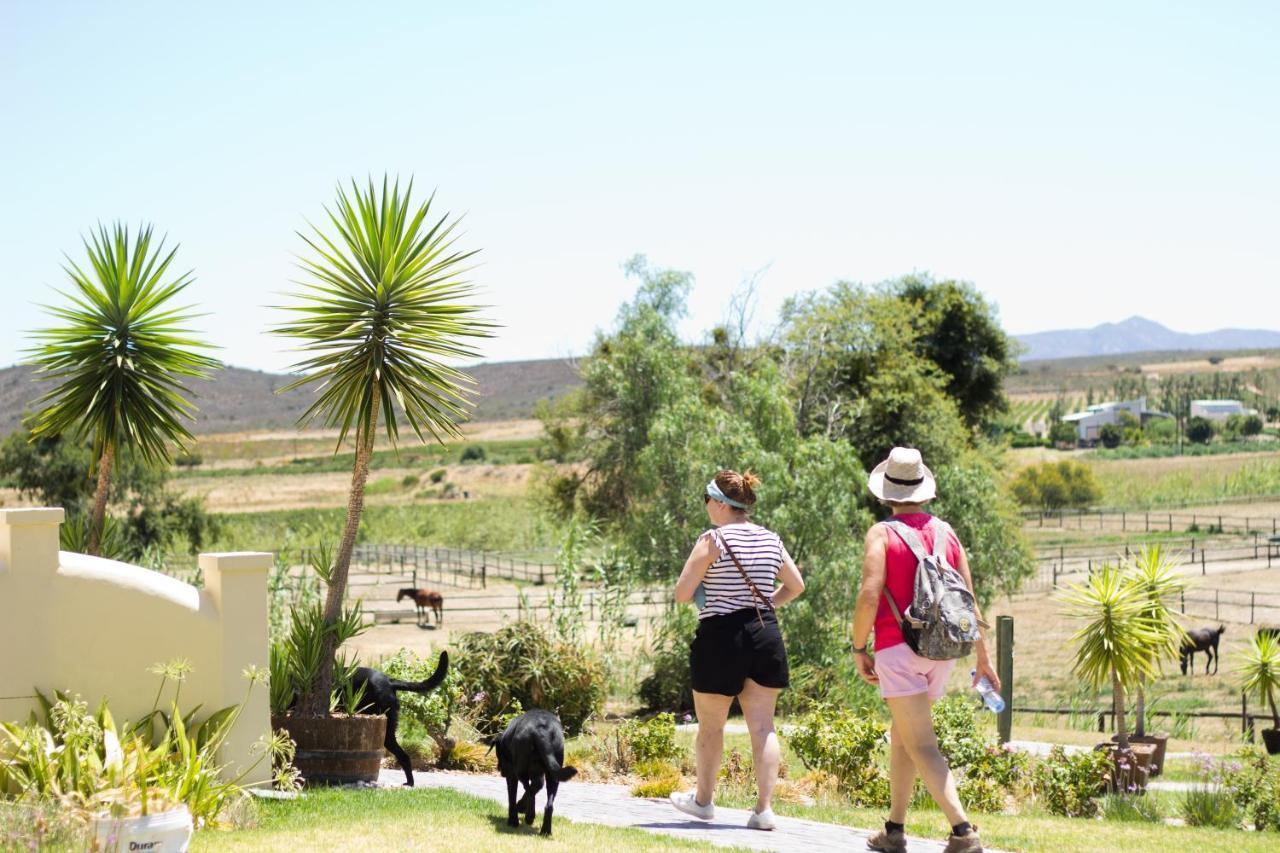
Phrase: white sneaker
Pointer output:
(688, 803)
(761, 820)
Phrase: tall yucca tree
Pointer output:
(1116, 641)
(384, 303)
(1259, 671)
(119, 357)
(1158, 582)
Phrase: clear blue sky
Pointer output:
(1078, 162)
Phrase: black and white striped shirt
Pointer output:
(760, 552)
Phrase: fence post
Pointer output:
(1244, 713)
(1004, 669)
(1102, 722)
(1123, 522)
(1216, 616)
(1148, 522)
(1251, 600)
(1203, 570)
(1170, 522)
(1182, 602)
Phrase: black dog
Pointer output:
(1201, 640)
(530, 750)
(380, 698)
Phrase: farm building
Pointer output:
(1218, 410)
(1090, 422)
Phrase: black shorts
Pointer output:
(729, 649)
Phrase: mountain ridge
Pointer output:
(1138, 334)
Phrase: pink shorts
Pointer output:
(902, 672)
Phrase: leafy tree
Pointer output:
(1064, 432)
(1056, 485)
(1111, 435)
(385, 304)
(119, 357)
(1161, 430)
(1200, 430)
(958, 330)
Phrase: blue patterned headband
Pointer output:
(714, 491)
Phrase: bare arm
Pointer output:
(864, 613)
(983, 663)
(789, 577)
(704, 553)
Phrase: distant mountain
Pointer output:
(236, 399)
(1138, 334)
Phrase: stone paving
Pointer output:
(613, 805)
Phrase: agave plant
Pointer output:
(1117, 641)
(119, 357)
(383, 305)
(1260, 671)
(1158, 583)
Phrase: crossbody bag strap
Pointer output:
(755, 590)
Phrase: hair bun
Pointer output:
(750, 480)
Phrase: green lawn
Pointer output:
(426, 819)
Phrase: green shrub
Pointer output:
(409, 481)
(438, 475)
(1056, 485)
(1161, 430)
(955, 721)
(432, 713)
(521, 663)
(670, 686)
(1069, 785)
(1252, 778)
(848, 746)
(188, 460)
(1003, 765)
(473, 453)
(651, 740)
(1064, 433)
(657, 779)
(1111, 435)
(1128, 808)
(982, 795)
(1207, 807)
(1200, 430)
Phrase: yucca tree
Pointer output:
(119, 357)
(1260, 671)
(1158, 582)
(1116, 642)
(384, 304)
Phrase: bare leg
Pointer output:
(712, 710)
(758, 704)
(902, 776)
(914, 725)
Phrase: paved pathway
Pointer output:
(613, 805)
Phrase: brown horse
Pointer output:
(424, 598)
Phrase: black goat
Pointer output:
(1201, 640)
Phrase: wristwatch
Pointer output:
(860, 651)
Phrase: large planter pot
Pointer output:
(1130, 769)
(1271, 739)
(166, 831)
(335, 750)
(1161, 743)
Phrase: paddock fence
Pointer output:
(1195, 556)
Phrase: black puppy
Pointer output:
(529, 751)
(380, 698)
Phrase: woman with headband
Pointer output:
(733, 573)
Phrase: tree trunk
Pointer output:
(1140, 711)
(315, 703)
(99, 516)
(1117, 706)
(1275, 717)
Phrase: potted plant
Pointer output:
(1115, 648)
(383, 303)
(1158, 584)
(1260, 675)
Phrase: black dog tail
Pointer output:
(442, 669)
(553, 768)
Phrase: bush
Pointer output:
(670, 686)
(1200, 430)
(1161, 430)
(982, 795)
(657, 779)
(849, 747)
(521, 663)
(188, 460)
(1111, 435)
(409, 481)
(1069, 785)
(438, 475)
(1056, 485)
(1132, 809)
(1206, 807)
(432, 713)
(1252, 779)
(1003, 765)
(955, 721)
(473, 453)
(1064, 433)
(651, 740)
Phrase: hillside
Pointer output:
(1138, 334)
(236, 399)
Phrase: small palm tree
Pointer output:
(1116, 642)
(383, 306)
(1260, 671)
(1158, 583)
(119, 357)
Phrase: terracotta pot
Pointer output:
(1131, 769)
(1161, 743)
(336, 750)
(1271, 738)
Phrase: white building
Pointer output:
(1218, 410)
(1090, 422)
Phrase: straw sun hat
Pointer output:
(903, 478)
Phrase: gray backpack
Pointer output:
(942, 621)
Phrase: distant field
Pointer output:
(1050, 376)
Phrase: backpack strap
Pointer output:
(941, 532)
(755, 590)
(909, 536)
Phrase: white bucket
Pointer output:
(167, 832)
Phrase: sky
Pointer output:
(1079, 163)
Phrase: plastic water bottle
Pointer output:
(990, 696)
